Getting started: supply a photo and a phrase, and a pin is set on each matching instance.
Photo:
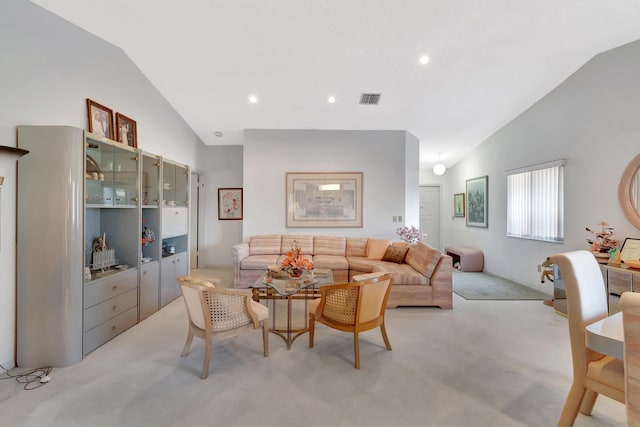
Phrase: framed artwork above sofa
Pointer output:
(324, 199)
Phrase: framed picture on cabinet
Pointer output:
(230, 203)
(100, 119)
(477, 202)
(126, 130)
(458, 205)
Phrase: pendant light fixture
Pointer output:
(439, 168)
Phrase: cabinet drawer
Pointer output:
(175, 222)
(99, 290)
(112, 307)
(104, 332)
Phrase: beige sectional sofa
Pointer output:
(421, 274)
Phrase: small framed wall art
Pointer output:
(100, 119)
(126, 130)
(458, 205)
(477, 202)
(230, 203)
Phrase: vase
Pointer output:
(295, 273)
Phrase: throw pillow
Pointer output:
(376, 248)
(395, 254)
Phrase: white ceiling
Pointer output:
(490, 60)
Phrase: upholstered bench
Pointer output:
(466, 258)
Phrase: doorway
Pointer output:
(194, 233)
(430, 214)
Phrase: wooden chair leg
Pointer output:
(571, 406)
(312, 329)
(265, 337)
(588, 402)
(384, 336)
(207, 357)
(187, 345)
(356, 348)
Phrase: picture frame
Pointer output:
(230, 204)
(477, 202)
(126, 130)
(458, 205)
(324, 199)
(630, 249)
(100, 119)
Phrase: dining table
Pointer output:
(606, 336)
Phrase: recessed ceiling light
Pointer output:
(218, 133)
(253, 99)
(331, 99)
(423, 59)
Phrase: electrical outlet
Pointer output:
(539, 268)
(399, 218)
(395, 218)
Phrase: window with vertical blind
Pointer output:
(535, 207)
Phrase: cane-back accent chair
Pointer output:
(593, 372)
(221, 312)
(352, 307)
(630, 306)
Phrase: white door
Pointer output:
(430, 214)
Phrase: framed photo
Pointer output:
(458, 205)
(477, 202)
(126, 130)
(630, 249)
(100, 119)
(324, 199)
(230, 203)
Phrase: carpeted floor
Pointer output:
(483, 286)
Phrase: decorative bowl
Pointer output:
(633, 263)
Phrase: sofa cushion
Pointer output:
(423, 258)
(357, 246)
(330, 261)
(396, 253)
(329, 245)
(266, 244)
(367, 276)
(403, 274)
(258, 262)
(363, 264)
(305, 243)
(377, 247)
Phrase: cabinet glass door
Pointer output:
(150, 181)
(125, 177)
(182, 188)
(168, 184)
(110, 175)
(99, 173)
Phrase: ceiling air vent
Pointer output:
(370, 98)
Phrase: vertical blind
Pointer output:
(535, 207)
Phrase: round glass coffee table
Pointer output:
(274, 290)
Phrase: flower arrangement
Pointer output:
(294, 261)
(148, 236)
(603, 241)
(410, 234)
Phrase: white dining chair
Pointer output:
(593, 372)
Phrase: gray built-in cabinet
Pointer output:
(73, 188)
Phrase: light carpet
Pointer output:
(483, 286)
(483, 363)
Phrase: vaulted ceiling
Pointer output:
(488, 60)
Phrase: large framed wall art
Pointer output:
(324, 199)
(477, 202)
